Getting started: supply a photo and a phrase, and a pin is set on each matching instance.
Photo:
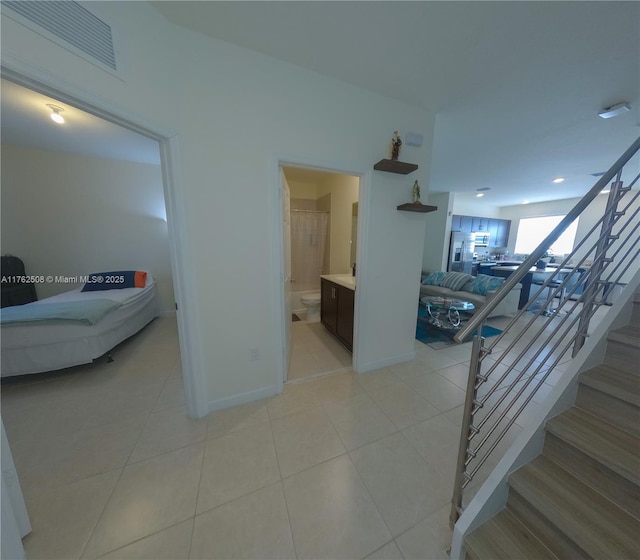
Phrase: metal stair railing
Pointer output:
(522, 357)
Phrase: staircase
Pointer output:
(581, 497)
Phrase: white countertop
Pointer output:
(345, 280)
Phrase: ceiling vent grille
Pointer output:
(72, 23)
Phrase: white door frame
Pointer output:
(187, 316)
(277, 272)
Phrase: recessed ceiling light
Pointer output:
(479, 195)
(558, 180)
(55, 113)
(614, 110)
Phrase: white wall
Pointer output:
(467, 204)
(69, 215)
(437, 233)
(344, 192)
(235, 113)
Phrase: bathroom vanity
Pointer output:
(337, 306)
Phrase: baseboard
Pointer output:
(243, 398)
(168, 313)
(371, 366)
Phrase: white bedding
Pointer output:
(36, 348)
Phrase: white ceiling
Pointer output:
(26, 122)
(516, 86)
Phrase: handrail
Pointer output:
(532, 346)
(481, 315)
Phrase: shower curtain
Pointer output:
(308, 241)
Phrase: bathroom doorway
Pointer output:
(321, 222)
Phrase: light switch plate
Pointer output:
(414, 139)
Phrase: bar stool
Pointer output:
(551, 285)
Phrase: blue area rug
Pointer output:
(437, 338)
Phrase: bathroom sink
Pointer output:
(346, 280)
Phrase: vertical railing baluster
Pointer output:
(599, 264)
(527, 359)
(466, 433)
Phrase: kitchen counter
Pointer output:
(506, 271)
(345, 280)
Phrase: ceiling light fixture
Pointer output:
(614, 110)
(558, 180)
(479, 195)
(55, 113)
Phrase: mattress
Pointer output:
(36, 348)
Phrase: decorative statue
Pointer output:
(396, 142)
(416, 193)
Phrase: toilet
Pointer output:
(312, 302)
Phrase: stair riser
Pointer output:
(615, 411)
(608, 483)
(622, 356)
(549, 535)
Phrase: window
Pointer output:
(532, 231)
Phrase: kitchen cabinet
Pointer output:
(466, 224)
(497, 229)
(336, 311)
(502, 238)
(456, 222)
(479, 224)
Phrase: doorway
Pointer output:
(322, 230)
(194, 382)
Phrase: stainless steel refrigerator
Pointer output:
(461, 252)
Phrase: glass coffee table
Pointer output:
(444, 313)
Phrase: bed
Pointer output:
(74, 327)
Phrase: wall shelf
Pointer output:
(395, 166)
(411, 207)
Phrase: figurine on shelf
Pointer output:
(396, 142)
(416, 193)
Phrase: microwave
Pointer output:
(481, 239)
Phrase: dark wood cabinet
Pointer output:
(336, 311)
(329, 305)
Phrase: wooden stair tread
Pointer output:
(629, 334)
(594, 524)
(615, 382)
(505, 538)
(608, 444)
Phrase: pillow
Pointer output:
(485, 283)
(455, 280)
(434, 278)
(115, 280)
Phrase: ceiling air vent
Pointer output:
(73, 24)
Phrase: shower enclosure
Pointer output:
(308, 247)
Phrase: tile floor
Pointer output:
(345, 466)
(315, 352)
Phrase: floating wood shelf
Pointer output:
(395, 166)
(411, 207)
